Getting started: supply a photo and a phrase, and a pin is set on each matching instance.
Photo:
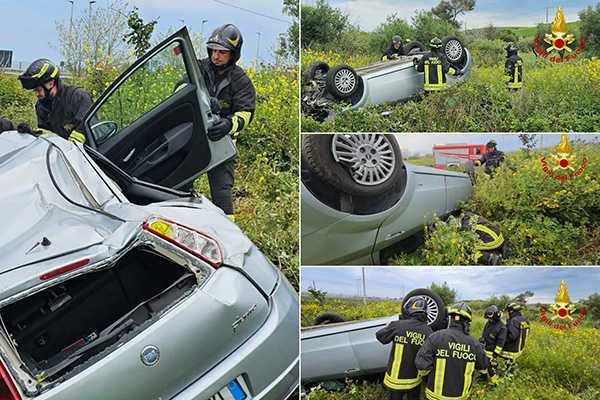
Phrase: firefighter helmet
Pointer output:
(492, 312)
(461, 310)
(415, 306)
(39, 72)
(435, 43)
(513, 307)
(227, 37)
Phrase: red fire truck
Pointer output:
(445, 155)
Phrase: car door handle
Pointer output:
(128, 156)
(393, 235)
(351, 370)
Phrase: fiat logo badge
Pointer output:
(150, 356)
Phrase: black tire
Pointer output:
(316, 152)
(342, 81)
(315, 69)
(455, 51)
(440, 320)
(328, 318)
(410, 46)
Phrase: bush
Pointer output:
(16, 104)
(322, 24)
(427, 26)
(590, 26)
(381, 38)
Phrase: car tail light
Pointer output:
(63, 270)
(198, 243)
(8, 390)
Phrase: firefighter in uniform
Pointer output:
(491, 159)
(408, 335)
(493, 338)
(236, 97)
(513, 67)
(450, 358)
(434, 66)
(517, 331)
(396, 50)
(491, 247)
(60, 108)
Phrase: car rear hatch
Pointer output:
(145, 326)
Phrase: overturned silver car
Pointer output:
(381, 82)
(112, 287)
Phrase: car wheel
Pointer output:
(342, 81)
(356, 164)
(414, 47)
(328, 318)
(436, 309)
(455, 51)
(315, 70)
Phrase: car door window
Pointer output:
(148, 86)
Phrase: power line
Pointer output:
(253, 12)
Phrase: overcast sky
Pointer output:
(370, 13)
(419, 143)
(470, 283)
(29, 27)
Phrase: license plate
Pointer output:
(235, 390)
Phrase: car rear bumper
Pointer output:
(269, 361)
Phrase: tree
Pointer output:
(528, 142)
(450, 10)
(322, 24)
(590, 26)
(427, 26)
(593, 305)
(445, 292)
(318, 295)
(94, 39)
(140, 33)
(393, 25)
(289, 42)
(522, 298)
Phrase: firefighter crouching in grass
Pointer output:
(450, 357)
(491, 247)
(408, 335)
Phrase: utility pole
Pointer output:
(364, 287)
(71, 19)
(258, 48)
(202, 28)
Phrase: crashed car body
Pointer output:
(359, 198)
(350, 349)
(378, 83)
(113, 287)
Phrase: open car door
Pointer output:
(152, 120)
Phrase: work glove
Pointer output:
(219, 129)
(25, 128)
(76, 136)
(215, 108)
(6, 125)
